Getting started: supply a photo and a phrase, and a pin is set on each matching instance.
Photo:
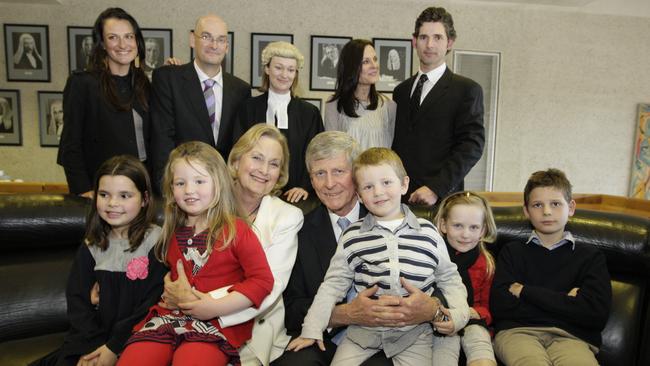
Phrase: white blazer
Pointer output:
(277, 224)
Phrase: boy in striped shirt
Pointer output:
(394, 250)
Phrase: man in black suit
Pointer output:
(329, 159)
(439, 125)
(178, 105)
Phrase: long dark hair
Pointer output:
(347, 78)
(97, 229)
(98, 63)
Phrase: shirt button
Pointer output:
(189, 241)
(261, 321)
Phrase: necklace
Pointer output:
(254, 212)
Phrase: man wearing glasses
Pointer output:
(196, 101)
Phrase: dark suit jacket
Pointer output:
(316, 247)
(305, 122)
(440, 144)
(179, 113)
(93, 130)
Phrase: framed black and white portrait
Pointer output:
(395, 62)
(50, 117)
(157, 48)
(258, 42)
(27, 52)
(227, 62)
(80, 43)
(10, 121)
(325, 51)
(317, 102)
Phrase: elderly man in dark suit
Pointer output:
(329, 159)
(439, 125)
(196, 101)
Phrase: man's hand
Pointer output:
(573, 292)
(296, 194)
(173, 61)
(102, 356)
(444, 326)
(363, 310)
(417, 308)
(88, 194)
(424, 196)
(94, 294)
(300, 343)
(515, 289)
(177, 291)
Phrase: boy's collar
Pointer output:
(370, 221)
(567, 237)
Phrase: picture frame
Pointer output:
(50, 117)
(27, 52)
(325, 51)
(484, 67)
(158, 47)
(395, 58)
(317, 102)
(80, 44)
(640, 177)
(228, 60)
(258, 42)
(10, 117)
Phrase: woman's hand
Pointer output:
(300, 343)
(102, 356)
(296, 194)
(177, 291)
(94, 294)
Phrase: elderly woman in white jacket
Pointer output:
(259, 166)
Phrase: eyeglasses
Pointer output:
(209, 39)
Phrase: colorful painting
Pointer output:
(640, 181)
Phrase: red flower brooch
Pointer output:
(138, 268)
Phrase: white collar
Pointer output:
(203, 76)
(435, 74)
(276, 111)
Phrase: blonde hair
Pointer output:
(286, 50)
(222, 211)
(378, 156)
(246, 143)
(473, 199)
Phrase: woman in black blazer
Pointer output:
(105, 108)
(298, 120)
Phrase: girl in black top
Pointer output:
(105, 108)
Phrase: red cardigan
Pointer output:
(481, 285)
(243, 264)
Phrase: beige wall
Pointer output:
(570, 82)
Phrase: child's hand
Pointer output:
(296, 194)
(94, 294)
(300, 343)
(102, 356)
(445, 326)
(573, 292)
(205, 308)
(473, 314)
(515, 289)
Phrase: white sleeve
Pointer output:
(281, 255)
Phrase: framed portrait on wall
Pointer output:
(317, 102)
(157, 48)
(10, 121)
(325, 51)
(27, 52)
(484, 67)
(50, 117)
(395, 58)
(640, 179)
(258, 42)
(227, 62)
(80, 43)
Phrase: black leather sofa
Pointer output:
(39, 234)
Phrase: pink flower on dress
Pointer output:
(138, 268)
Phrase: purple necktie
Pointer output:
(210, 102)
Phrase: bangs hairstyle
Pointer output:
(553, 178)
(329, 144)
(377, 156)
(347, 79)
(246, 143)
(472, 199)
(286, 50)
(222, 212)
(434, 14)
(97, 229)
(98, 63)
